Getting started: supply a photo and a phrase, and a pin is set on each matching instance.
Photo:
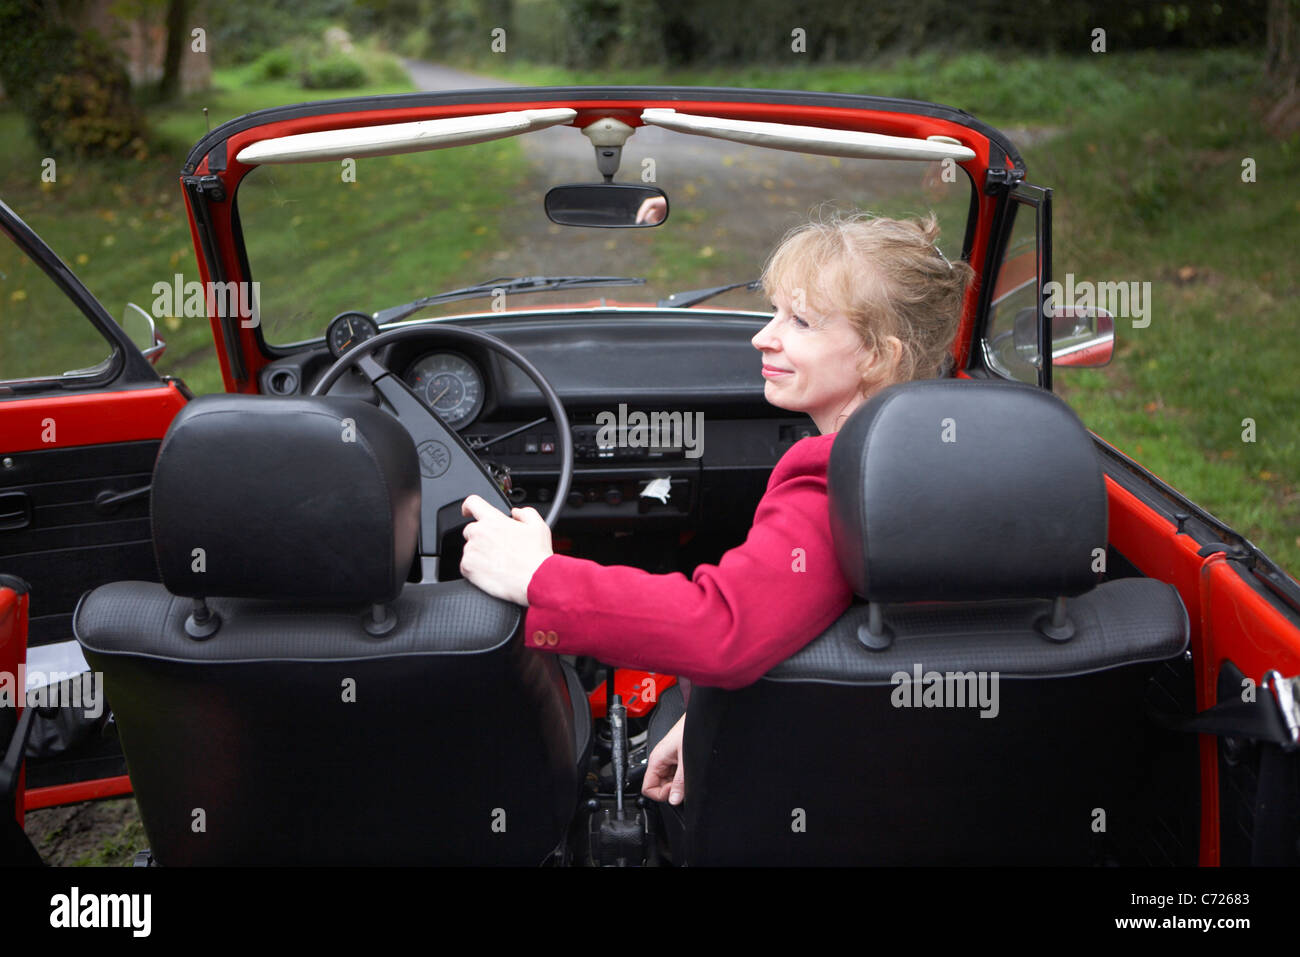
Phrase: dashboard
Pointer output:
(670, 424)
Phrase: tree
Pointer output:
(1282, 66)
(169, 86)
(70, 85)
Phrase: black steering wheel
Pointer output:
(449, 469)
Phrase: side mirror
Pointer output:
(616, 205)
(1082, 336)
(140, 329)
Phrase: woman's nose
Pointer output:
(764, 340)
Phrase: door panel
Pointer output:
(74, 540)
(1244, 613)
(76, 455)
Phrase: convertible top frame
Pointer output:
(212, 173)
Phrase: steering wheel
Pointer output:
(449, 469)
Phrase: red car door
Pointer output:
(1238, 697)
(76, 455)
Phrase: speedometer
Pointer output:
(450, 384)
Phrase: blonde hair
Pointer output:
(887, 276)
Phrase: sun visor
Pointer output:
(401, 137)
(811, 139)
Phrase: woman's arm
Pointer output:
(729, 623)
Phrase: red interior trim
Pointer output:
(89, 418)
(77, 792)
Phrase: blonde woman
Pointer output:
(859, 303)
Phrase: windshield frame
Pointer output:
(212, 173)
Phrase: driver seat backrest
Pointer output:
(337, 714)
(966, 515)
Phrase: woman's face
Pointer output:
(811, 360)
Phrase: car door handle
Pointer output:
(107, 501)
(15, 510)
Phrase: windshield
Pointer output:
(378, 232)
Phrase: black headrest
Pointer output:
(312, 499)
(964, 490)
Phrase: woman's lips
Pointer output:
(772, 372)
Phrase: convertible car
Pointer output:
(245, 608)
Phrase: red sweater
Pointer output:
(728, 624)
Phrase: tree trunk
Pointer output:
(170, 84)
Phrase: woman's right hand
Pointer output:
(652, 211)
(665, 773)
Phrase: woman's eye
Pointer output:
(801, 323)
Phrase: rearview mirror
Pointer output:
(617, 205)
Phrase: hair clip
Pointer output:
(941, 255)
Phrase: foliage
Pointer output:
(325, 65)
(242, 32)
(588, 34)
(274, 64)
(337, 71)
(71, 87)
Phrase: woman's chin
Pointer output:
(774, 395)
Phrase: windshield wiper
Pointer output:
(680, 300)
(508, 285)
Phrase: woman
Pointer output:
(859, 303)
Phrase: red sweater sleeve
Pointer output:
(728, 624)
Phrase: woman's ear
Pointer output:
(894, 345)
(883, 361)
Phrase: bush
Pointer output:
(70, 86)
(337, 71)
(87, 108)
(382, 67)
(274, 64)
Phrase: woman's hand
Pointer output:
(502, 551)
(665, 773)
(652, 211)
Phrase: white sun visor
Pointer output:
(400, 137)
(811, 139)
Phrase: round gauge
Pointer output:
(451, 384)
(347, 329)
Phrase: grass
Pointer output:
(1161, 199)
(118, 849)
(420, 218)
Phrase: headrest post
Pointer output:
(379, 620)
(1058, 627)
(202, 622)
(875, 634)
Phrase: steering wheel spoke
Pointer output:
(449, 469)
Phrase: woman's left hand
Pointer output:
(503, 551)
